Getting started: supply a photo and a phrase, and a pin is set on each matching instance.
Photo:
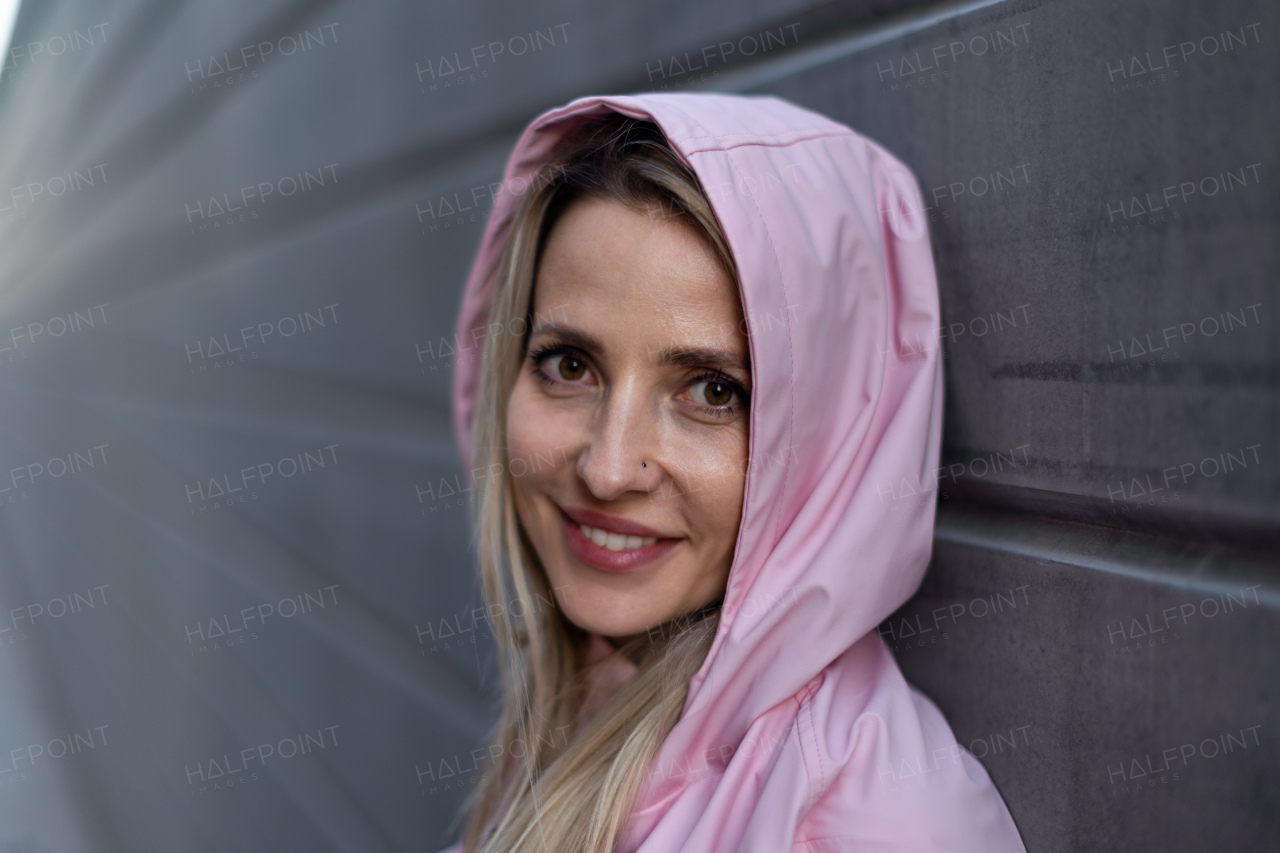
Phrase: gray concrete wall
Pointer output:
(1099, 622)
(1102, 472)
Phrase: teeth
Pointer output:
(615, 541)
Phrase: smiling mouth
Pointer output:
(613, 552)
(615, 541)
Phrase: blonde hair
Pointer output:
(556, 794)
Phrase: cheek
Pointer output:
(520, 412)
(538, 433)
(714, 474)
(718, 458)
(725, 505)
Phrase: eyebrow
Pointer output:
(686, 357)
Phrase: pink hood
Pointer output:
(799, 731)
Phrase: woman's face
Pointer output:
(627, 427)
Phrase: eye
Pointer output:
(716, 393)
(565, 366)
(555, 364)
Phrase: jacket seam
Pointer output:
(763, 143)
(805, 710)
(799, 842)
(767, 141)
(813, 735)
(857, 735)
(791, 351)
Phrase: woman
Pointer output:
(701, 378)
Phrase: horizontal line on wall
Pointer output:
(1203, 375)
(864, 38)
(1244, 525)
(1165, 562)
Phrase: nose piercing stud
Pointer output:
(644, 465)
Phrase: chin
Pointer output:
(603, 614)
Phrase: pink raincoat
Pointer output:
(799, 732)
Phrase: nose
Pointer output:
(624, 454)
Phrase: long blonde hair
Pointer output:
(543, 790)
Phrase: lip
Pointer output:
(612, 524)
(599, 557)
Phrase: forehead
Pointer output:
(605, 263)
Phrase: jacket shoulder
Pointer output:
(885, 771)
